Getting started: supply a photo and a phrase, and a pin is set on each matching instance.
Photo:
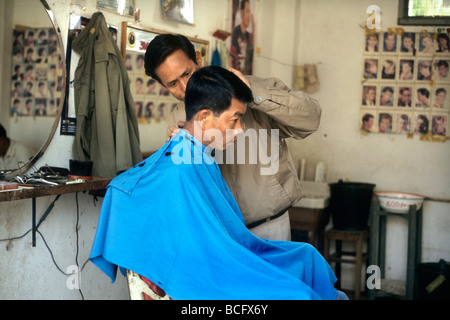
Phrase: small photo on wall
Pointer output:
(369, 93)
(389, 42)
(41, 90)
(439, 124)
(443, 43)
(367, 121)
(29, 74)
(388, 69)
(370, 68)
(424, 70)
(128, 62)
(152, 87)
(161, 110)
(427, 43)
(385, 122)
(149, 110)
(16, 106)
(40, 107)
(138, 84)
(387, 96)
(441, 70)
(402, 122)
(422, 96)
(28, 109)
(408, 43)
(421, 123)
(140, 64)
(406, 69)
(372, 43)
(29, 55)
(405, 93)
(441, 98)
(17, 89)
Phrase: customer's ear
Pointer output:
(203, 116)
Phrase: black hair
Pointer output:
(163, 46)
(3, 131)
(367, 117)
(242, 6)
(441, 90)
(212, 88)
(423, 127)
(442, 63)
(424, 92)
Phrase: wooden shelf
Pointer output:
(95, 184)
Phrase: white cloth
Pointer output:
(277, 229)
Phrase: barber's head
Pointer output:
(171, 60)
(215, 103)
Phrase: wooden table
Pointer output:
(312, 220)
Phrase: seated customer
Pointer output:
(13, 154)
(173, 219)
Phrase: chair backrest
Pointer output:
(143, 289)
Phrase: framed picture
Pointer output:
(177, 10)
(152, 100)
(242, 36)
(123, 7)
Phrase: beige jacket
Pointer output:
(275, 106)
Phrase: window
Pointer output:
(424, 12)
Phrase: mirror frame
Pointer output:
(11, 173)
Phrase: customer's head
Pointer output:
(4, 141)
(171, 60)
(3, 131)
(215, 102)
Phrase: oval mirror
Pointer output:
(34, 93)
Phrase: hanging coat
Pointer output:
(107, 131)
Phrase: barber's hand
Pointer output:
(174, 130)
(240, 76)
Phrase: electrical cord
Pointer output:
(50, 251)
(76, 233)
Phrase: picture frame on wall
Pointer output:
(122, 7)
(152, 100)
(242, 46)
(178, 10)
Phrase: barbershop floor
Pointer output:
(302, 236)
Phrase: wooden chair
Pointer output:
(143, 289)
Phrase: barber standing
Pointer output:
(263, 199)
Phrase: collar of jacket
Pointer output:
(96, 30)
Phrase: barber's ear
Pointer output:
(198, 57)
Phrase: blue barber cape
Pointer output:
(173, 220)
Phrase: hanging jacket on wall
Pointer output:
(107, 131)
